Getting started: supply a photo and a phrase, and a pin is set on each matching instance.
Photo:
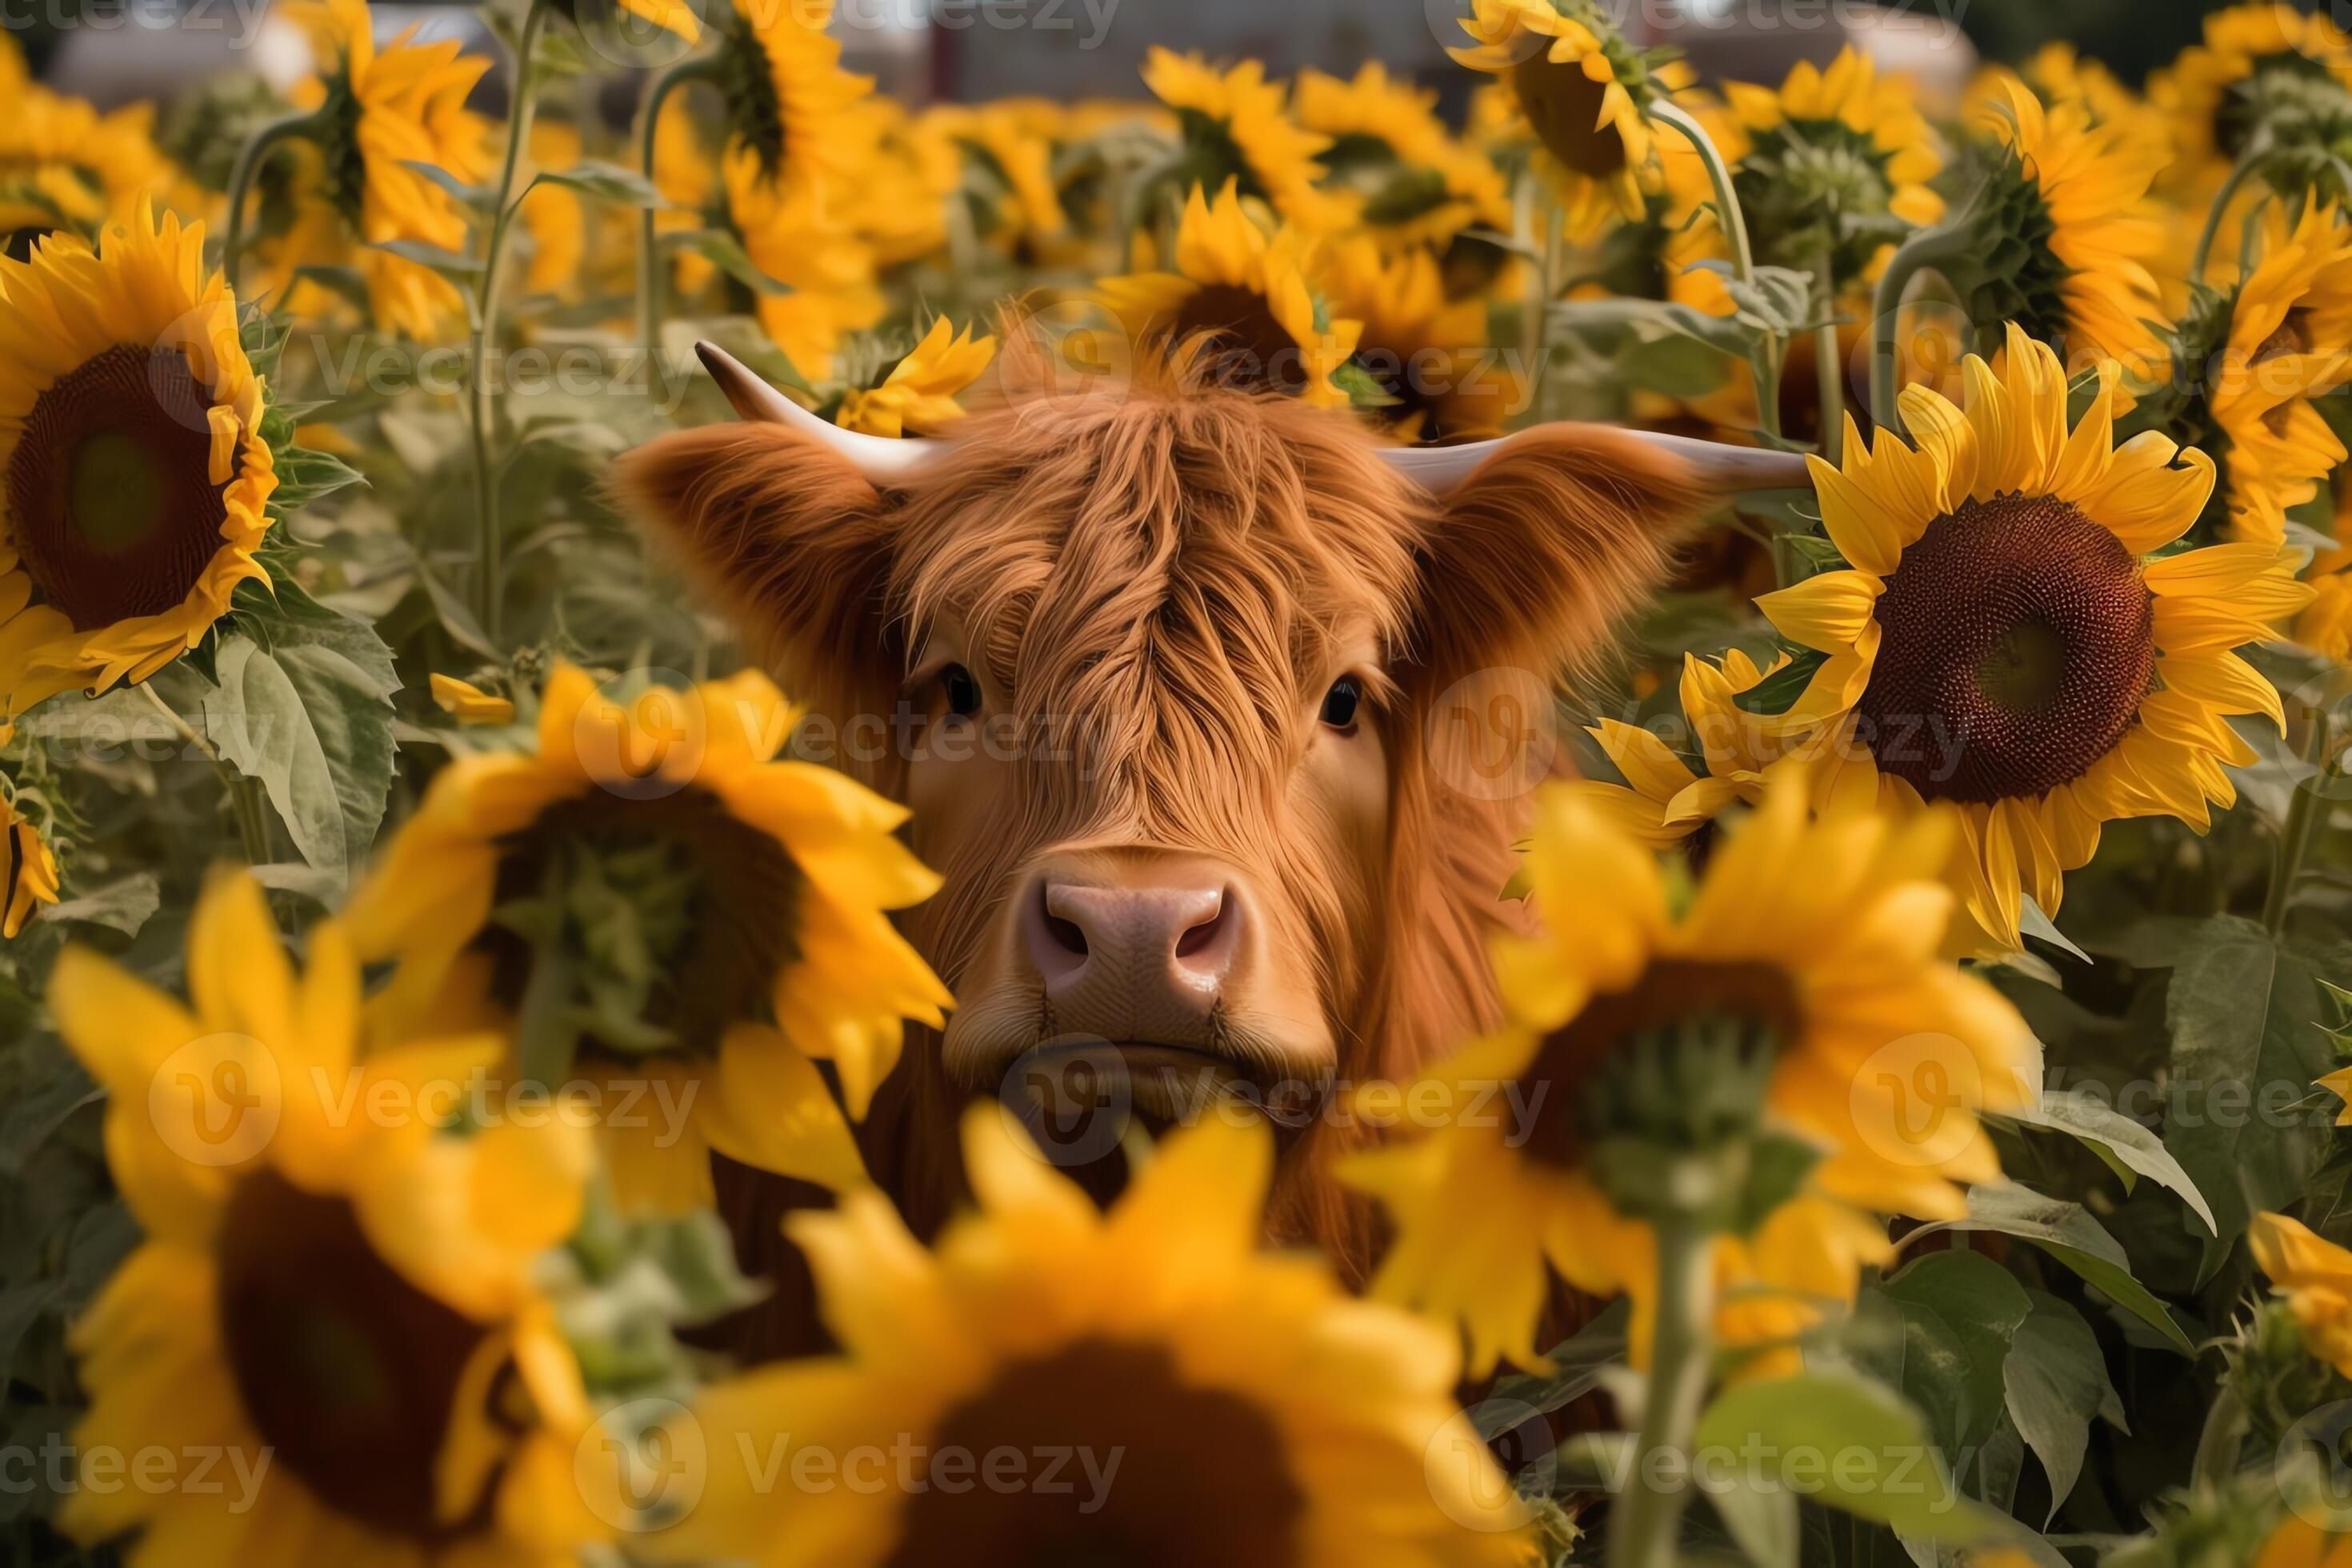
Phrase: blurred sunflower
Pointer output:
(1837, 165)
(720, 913)
(2059, 75)
(788, 99)
(801, 235)
(2248, 361)
(1264, 1416)
(2256, 64)
(2061, 238)
(1419, 185)
(2325, 625)
(1430, 356)
(28, 872)
(2008, 638)
(355, 180)
(1243, 296)
(1663, 801)
(2314, 1275)
(902, 206)
(1238, 132)
(137, 477)
(469, 703)
(64, 167)
(2299, 1542)
(554, 218)
(918, 397)
(686, 173)
(1824, 937)
(1007, 148)
(348, 1301)
(1585, 94)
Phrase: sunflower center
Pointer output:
(348, 1371)
(674, 916)
(1668, 992)
(2016, 642)
(1244, 337)
(2288, 92)
(1164, 1472)
(110, 489)
(1563, 106)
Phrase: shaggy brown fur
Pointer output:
(1171, 567)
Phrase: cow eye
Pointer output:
(960, 689)
(1339, 703)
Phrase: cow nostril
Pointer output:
(1069, 935)
(1198, 938)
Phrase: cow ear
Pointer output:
(789, 540)
(1534, 561)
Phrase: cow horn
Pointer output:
(1720, 465)
(886, 463)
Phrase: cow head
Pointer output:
(1160, 675)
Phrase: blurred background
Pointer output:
(112, 51)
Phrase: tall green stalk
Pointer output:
(1926, 249)
(241, 176)
(1734, 224)
(2248, 163)
(2301, 827)
(489, 597)
(1647, 1519)
(704, 68)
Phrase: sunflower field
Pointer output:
(1926, 964)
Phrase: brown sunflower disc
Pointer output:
(1563, 105)
(347, 1370)
(1245, 338)
(2017, 640)
(111, 491)
(1200, 1475)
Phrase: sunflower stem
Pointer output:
(252, 822)
(1648, 1521)
(1734, 224)
(649, 303)
(2250, 163)
(2301, 827)
(1925, 250)
(241, 176)
(1829, 374)
(489, 595)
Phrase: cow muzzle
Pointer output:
(1137, 954)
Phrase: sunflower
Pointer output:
(137, 477)
(788, 99)
(1419, 185)
(1430, 356)
(2066, 240)
(357, 182)
(1824, 936)
(343, 1298)
(1264, 1416)
(1245, 295)
(755, 890)
(1585, 94)
(686, 173)
(65, 167)
(902, 204)
(1836, 164)
(1663, 801)
(1239, 132)
(1008, 148)
(2325, 626)
(2256, 64)
(2059, 74)
(2299, 1542)
(28, 872)
(918, 396)
(2315, 1276)
(2249, 359)
(800, 237)
(2006, 638)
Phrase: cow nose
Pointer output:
(1172, 943)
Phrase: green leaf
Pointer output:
(2245, 1011)
(1787, 1430)
(2067, 1233)
(2033, 922)
(462, 270)
(122, 906)
(726, 253)
(474, 198)
(1762, 1516)
(2124, 1144)
(2056, 1380)
(1576, 1365)
(606, 183)
(1960, 1310)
